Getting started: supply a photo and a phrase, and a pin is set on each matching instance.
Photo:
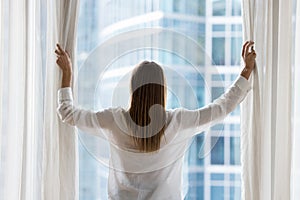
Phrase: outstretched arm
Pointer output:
(86, 120)
(216, 111)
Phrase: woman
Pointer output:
(148, 142)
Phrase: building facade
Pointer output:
(212, 163)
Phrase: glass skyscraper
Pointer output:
(212, 163)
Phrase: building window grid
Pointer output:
(226, 183)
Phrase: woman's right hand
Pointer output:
(249, 56)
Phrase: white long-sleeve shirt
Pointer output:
(136, 175)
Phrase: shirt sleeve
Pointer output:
(88, 121)
(215, 112)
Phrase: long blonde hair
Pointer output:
(147, 108)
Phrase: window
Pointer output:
(218, 51)
(234, 151)
(195, 7)
(212, 162)
(217, 153)
(219, 7)
(236, 8)
(235, 50)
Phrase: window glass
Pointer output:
(197, 146)
(236, 43)
(235, 177)
(235, 193)
(196, 186)
(195, 7)
(236, 27)
(218, 27)
(217, 153)
(234, 127)
(217, 77)
(217, 177)
(235, 151)
(219, 7)
(233, 76)
(218, 51)
(236, 8)
(217, 127)
(217, 193)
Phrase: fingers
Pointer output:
(63, 58)
(59, 48)
(58, 53)
(250, 56)
(59, 61)
(244, 46)
(253, 54)
(249, 44)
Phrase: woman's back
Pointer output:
(140, 175)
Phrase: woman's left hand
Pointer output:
(65, 64)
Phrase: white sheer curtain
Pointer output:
(60, 167)
(266, 112)
(296, 108)
(38, 154)
(21, 104)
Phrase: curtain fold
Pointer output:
(60, 165)
(1, 72)
(266, 112)
(250, 111)
(21, 100)
(38, 154)
(296, 108)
